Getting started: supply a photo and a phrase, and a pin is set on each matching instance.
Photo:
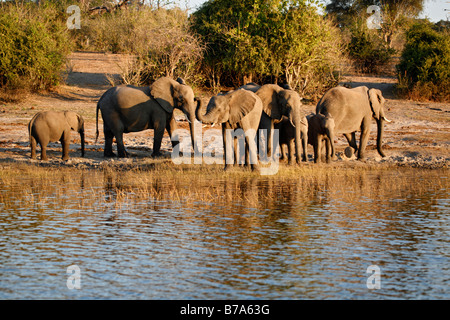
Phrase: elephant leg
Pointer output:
(304, 146)
(365, 130)
(65, 143)
(237, 152)
(171, 126)
(43, 150)
(227, 147)
(317, 150)
(158, 135)
(122, 152)
(291, 155)
(328, 150)
(282, 152)
(251, 149)
(247, 156)
(33, 147)
(270, 146)
(351, 139)
(109, 136)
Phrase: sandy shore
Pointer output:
(418, 136)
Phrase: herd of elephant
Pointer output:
(251, 107)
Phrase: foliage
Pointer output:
(34, 44)
(268, 39)
(367, 49)
(158, 38)
(425, 62)
(394, 13)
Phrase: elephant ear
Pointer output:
(74, 120)
(162, 90)
(241, 103)
(270, 100)
(376, 101)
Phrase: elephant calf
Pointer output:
(321, 129)
(52, 126)
(287, 134)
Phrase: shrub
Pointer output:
(285, 41)
(159, 39)
(33, 46)
(367, 49)
(424, 69)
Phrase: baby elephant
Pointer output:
(287, 137)
(52, 126)
(321, 129)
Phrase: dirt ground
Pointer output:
(418, 136)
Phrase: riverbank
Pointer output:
(418, 136)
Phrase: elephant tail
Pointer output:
(31, 124)
(107, 93)
(96, 121)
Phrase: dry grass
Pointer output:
(202, 186)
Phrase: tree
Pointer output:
(284, 40)
(424, 68)
(394, 13)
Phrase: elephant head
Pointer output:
(172, 94)
(76, 123)
(377, 101)
(278, 102)
(229, 107)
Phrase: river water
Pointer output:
(370, 235)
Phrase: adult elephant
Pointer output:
(238, 109)
(130, 109)
(277, 102)
(52, 126)
(353, 110)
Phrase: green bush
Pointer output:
(424, 68)
(367, 49)
(34, 44)
(259, 40)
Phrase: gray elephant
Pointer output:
(277, 102)
(287, 134)
(238, 109)
(353, 110)
(321, 129)
(52, 126)
(130, 109)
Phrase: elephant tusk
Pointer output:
(387, 120)
(213, 125)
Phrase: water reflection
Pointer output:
(138, 235)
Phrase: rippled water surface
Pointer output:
(263, 238)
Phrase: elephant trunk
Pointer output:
(296, 121)
(380, 124)
(330, 134)
(293, 119)
(209, 118)
(329, 131)
(82, 141)
(191, 118)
